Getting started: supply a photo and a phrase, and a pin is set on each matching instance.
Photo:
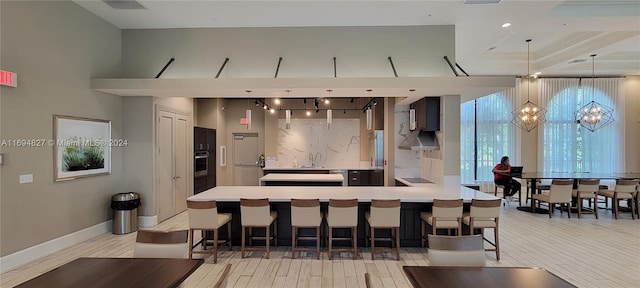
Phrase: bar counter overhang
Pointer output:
(414, 200)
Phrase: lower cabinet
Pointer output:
(366, 178)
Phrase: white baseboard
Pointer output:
(25, 256)
(147, 221)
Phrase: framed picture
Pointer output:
(82, 147)
(223, 156)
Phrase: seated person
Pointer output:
(511, 186)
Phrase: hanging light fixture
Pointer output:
(369, 113)
(528, 116)
(594, 115)
(287, 115)
(412, 114)
(329, 111)
(248, 112)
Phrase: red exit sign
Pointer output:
(8, 78)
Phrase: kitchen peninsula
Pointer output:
(416, 199)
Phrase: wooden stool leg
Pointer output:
(250, 236)
(242, 241)
(318, 242)
(422, 232)
(397, 243)
(215, 246)
(229, 234)
(330, 242)
(497, 241)
(595, 206)
(275, 232)
(191, 244)
(354, 235)
(373, 240)
(615, 207)
(267, 241)
(293, 242)
(579, 206)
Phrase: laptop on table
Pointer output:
(516, 171)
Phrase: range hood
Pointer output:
(420, 140)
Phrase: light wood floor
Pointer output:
(586, 252)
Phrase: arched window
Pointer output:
(569, 147)
(486, 134)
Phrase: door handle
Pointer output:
(176, 177)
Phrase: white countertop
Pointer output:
(425, 193)
(299, 177)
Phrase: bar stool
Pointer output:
(385, 214)
(485, 214)
(305, 213)
(204, 216)
(587, 189)
(343, 214)
(255, 213)
(445, 214)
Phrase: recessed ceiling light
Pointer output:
(505, 25)
(537, 73)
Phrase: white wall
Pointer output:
(306, 51)
(55, 47)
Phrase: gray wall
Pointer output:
(55, 47)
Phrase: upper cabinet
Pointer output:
(204, 139)
(428, 114)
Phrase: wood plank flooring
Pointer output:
(586, 252)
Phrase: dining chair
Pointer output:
(343, 213)
(305, 213)
(559, 193)
(587, 189)
(222, 280)
(446, 213)
(624, 189)
(384, 214)
(161, 244)
(255, 213)
(204, 216)
(485, 214)
(465, 251)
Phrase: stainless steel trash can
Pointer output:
(125, 212)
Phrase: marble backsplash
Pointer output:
(310, 138)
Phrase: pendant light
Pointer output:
(594, 115)
(329, 111)
(412, 114)
(248, 112)
(369, 113)
(528, 116)
(287, 115)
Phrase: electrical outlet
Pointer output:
(26, 178)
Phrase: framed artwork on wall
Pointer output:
(82, 147)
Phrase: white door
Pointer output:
(181, 166)
(245, 159)
(165, 166)
(172, 163)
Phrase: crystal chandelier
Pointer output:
(528, 116)
(594, 115)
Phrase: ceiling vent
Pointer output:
(124, 4)
(480, 2)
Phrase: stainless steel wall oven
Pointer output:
(201, 163)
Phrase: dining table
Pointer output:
(535, 176)
(117, 272)
(479, 277)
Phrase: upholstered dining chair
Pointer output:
(485, 214)
(446, 213)
(384, 214)
(161, 244)
(204, 216)
(456, 251)
(587, 189)
(559, 193)
(624, 189)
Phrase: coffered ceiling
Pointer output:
(564, 33)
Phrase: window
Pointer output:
(569, 147)
(486, 134)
